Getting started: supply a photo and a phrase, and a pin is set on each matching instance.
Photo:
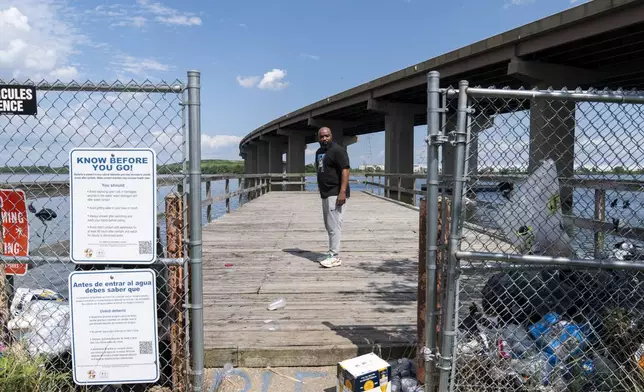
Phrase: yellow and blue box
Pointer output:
(366, 373)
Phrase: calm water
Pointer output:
(55, 276)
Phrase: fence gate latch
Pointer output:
(436, 139)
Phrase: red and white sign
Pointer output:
(15, 228)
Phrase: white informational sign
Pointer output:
(113, 195)
(114, 326)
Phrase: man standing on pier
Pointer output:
(332, 166)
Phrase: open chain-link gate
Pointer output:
(542, 289)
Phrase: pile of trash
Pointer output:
(559, 329)
(41, 320)
(404, 376)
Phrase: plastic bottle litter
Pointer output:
(559, 339)
(515, 341)
(277, 304)
(408, 384)
(271, 325)
(396, 385)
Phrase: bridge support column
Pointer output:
(399, 143)
(275, 151)
(250, 167)
(250, 161)
(447, 152)
(552, 136)
(262, 164)
(337, 130)
(477, 124)
(262, 157)
(552, 123)
(295, 159)
(399, 152)
(276, 147)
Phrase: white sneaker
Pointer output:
(326, 255)
(330, 262)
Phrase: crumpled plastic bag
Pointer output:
(41, 319)
(532, 219)
(23, 296)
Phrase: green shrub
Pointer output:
(20, 373)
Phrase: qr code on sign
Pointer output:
(145, 247)
(145, 347)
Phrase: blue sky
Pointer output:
(259, 60)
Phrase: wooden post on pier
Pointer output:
(442, 240)
(5, 302)
(5, 299)
(174, 233)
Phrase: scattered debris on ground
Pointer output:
(555, 330)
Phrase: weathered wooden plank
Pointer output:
(268, 249)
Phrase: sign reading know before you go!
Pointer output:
(21, 100)
(114, 326)
(112, 206)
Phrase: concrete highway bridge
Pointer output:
(598, 44)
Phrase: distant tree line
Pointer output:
(208, 166)
(581, 170)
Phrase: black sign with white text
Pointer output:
(16, 99)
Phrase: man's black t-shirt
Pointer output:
(329, 163)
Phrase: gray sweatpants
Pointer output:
(333, 216)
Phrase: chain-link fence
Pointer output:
(543, 289)
(130, 168)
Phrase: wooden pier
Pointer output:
(267, 250)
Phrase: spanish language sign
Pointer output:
(16, 99)
(114, 326)
(15, 228)
(112, 206)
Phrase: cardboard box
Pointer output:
(366, 373)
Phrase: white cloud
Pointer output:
(142, 12)
(310, 56)
(12, 18)
(272, 80)
(509, 3)
(37, 40)
(64, 73)
(104, 119)
(138, 66)
(309, 152)
(169, 15)
(219, 141)
(247, 81)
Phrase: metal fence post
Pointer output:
(433, 131)
(195, 245)
(448, 327)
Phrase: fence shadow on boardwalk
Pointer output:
(389, 341)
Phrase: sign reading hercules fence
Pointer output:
(112, 205)
(19, 100)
